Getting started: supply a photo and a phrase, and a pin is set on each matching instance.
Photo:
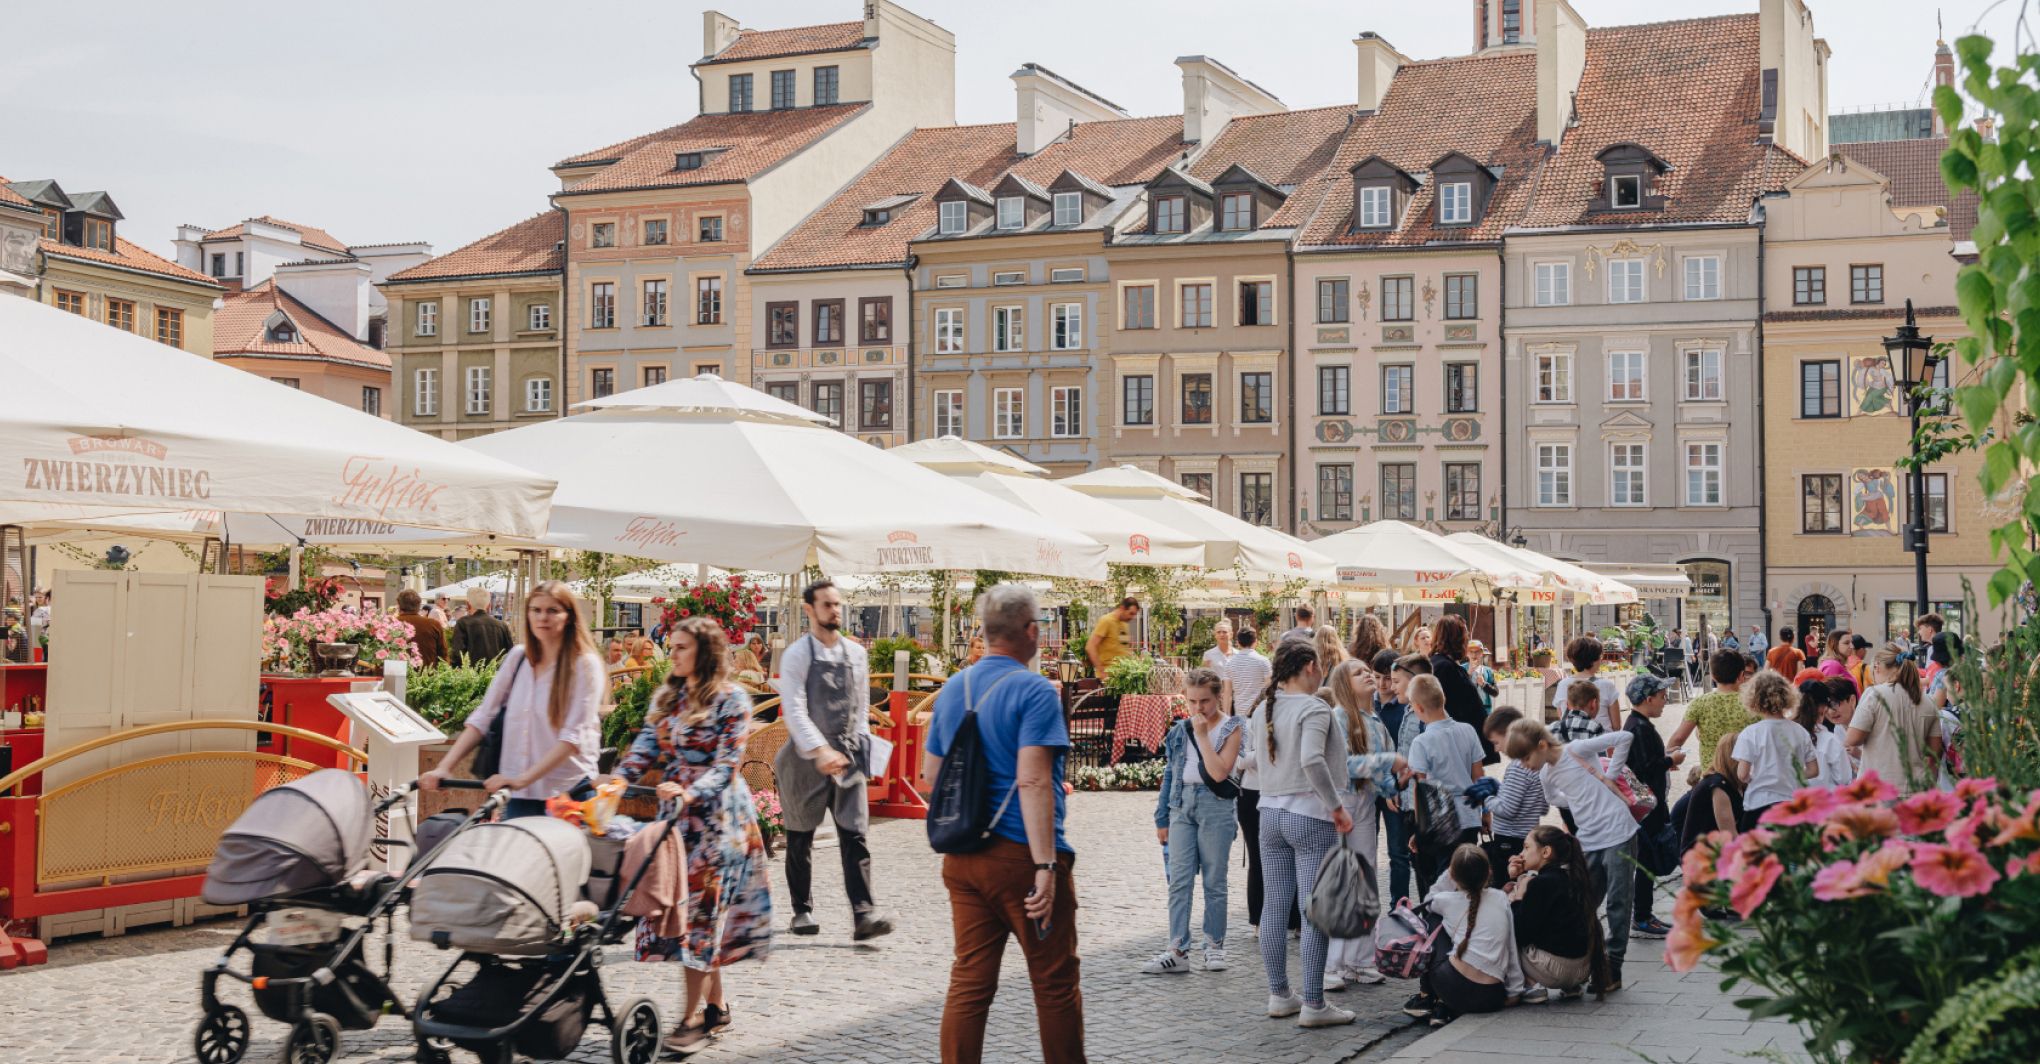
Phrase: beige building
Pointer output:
(82, 265)
(1850, 241)
(661, 228)
(474, 338)
(268, 332)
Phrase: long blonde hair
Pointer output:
(1341, 683)
(575, 644)
(711, 674)
(1896, 655)
(1330, 651)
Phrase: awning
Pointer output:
(1649, 580)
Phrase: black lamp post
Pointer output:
(1913, 360)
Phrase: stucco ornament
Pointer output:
(1366, 299)
(1430, 296)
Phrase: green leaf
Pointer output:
(1958, 170)
(1976, 295)
(2003, 585)
(2000, 466)
(1990, 160)
(1974, 51)
(1948, 104)
(1979, 405)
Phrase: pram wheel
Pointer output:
(313, 1041)
(432, 1054)
(634, 1033)
(222, 1037)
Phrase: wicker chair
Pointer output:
(759, 750)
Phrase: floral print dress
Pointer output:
(729, 904)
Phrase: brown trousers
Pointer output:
(987, 892)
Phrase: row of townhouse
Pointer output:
(1523, 291)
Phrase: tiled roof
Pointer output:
(1895, 315)
(240, 327)
(1484, 106)
(530, 246)
(742, 145)
(1285, 149)
(1124, 151)
(312, 235)
(128, 255)
(11, 198)
(801, 40)
(1914, 168)
(1689, 92)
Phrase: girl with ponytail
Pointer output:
(1893, 732)
(1483, 972)
(1558, 930)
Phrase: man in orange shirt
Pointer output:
(1785, 658)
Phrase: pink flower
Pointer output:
(1689, 939)
(2029, 866)
(2026, 825)
(1868, 787)
(1952, 871)
(1754, 885)
(1976, 788)
(1808, 805)
(1860, 822)
(1743, 853)
(1927, 812)
(1839, 882)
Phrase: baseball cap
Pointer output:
(1644, 686)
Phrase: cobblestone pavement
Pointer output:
(823, 999)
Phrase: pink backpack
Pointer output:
(1405, 941)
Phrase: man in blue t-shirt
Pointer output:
(1021, 884)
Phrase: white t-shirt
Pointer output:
(808, 740)
(1777, 751)
(528, 734)
(1601, 819)
(1215, 659)
(1611, 696)
(1836, 766)
(1220, 732)
(1492, 947)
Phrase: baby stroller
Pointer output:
(528, 978)
(298, 858)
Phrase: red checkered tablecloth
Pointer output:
(1145, 719)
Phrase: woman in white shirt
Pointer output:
(1483, 973)
(1893, 732)
(549, 691)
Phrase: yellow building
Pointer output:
(1848, 243)
(84, 266)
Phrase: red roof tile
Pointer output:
(240, 327)
(128, 255)
(801, 40)
(739, 146)
(1914, 168)
(15, 199)
(313, 236)
(1285, 148)
(1687, 91)
(530, 246)
(1117, 152)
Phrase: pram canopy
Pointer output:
(312, 832)
(502, 888)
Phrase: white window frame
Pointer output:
(1069, 208)
(1553, 283)
(949, 412)
(1703, 277)
(1009, 413)
(1012, 212)
(1066, 326)
(1554, 467)
(428, 319)
(1209, 311)
(479, 314)
(1399, 388)
(1066, 275)
(1697, 384)
(1708, 472)
(1172, 214)
(1007, 278)
(480, 389)
(951, 280)
(1375, 204)
(1628, 467)
(538, 317)
(1455, 203)
(953, 217)
(1633, 373)
(538, 395)
(1009, 329)
(652, 299)
(949, 330)
(1066, 411)
(1627, 270)
(1614, 203)
(425, 392)
(1560, 391)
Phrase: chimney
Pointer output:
(1378, 63)
(1214, 94)
(1048, 104)
(1561, 43)
(718, 31)
(1794, 108)
(1944, 74)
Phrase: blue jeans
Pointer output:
(1398, 831)
(1201, 830)
(1614, 871)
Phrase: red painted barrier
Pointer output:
(300, 702)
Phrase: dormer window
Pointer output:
(955, 217)
(687, 160)
(877, 217)
(281, 331)
(98, 234)
(1069, 208)
(1012, 212)
(1236, 211)
(1625, 191)
(1374, 206)
(1169, 214)
(1455, 203)
(1629, 179)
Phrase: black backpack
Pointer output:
(959, 817)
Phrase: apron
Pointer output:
(835, 708)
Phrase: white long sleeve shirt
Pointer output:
(792, 688)
(1600, 819)
(1492, 947)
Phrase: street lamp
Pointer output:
(1912, 361)
(1519, 541)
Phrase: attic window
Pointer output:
(877, 216)
(283, 332)
(1374, 206)
(1069, 208)
(1012, 212)
(1625, 191)
(1236, 211)
(1455, 203)
(687, 160)
(1169, 214)
(955, 217)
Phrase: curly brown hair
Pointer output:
(1770, 694)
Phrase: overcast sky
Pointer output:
(435, 120)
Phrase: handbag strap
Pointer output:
(1589, 764)
(970, 705)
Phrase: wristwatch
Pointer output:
(1049, 867)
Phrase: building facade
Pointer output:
(21, 232)
(335, 279)
(84, 266)
(474, 339)
(1853, 239)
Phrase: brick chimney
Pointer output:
(1378, 63)
(1048, 105)
(1793, 110)
(1561, 42)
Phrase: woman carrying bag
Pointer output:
(538, 724)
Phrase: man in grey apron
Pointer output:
(824, 690)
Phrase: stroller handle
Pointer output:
(454, 784)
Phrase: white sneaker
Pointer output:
(1536, 995)
(1279, 1007)
(1214, 959)
(1365, 976)
(1334, 982)
(1167, 962)
(1328, 1016)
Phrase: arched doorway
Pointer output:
(1815, 613)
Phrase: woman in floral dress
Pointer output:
(694, 738)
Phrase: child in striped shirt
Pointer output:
(1520, 803)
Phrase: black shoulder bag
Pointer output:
(959, 817)
(1224, 788)
(488, 759)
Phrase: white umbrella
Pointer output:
(1130, 538)
(732, 477)
(494, 583)
(1415, 564)
(1264, 553)
(101, 424)
(1588, 587)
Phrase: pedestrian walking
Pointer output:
(1657, 841)
(1573, 776)
(478, 638)
(1022, 884)
(1305, 628)
(1111, 637)
(824, 690)
(1785, 658)
(1247, 675)
(1718, 712)
(1221, 649)
(1196, 822)
(428, 634)
(1757, 645)
(1373, 769)
(693, 737)
(1893, 732)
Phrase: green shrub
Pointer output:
(1133, 674)
(444, 694)
(632, 701)
(882, 651)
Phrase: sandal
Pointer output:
(687, 1039)
(715, 1017)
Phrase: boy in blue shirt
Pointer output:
(1447, 752)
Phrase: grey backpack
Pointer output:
(1344, 900)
